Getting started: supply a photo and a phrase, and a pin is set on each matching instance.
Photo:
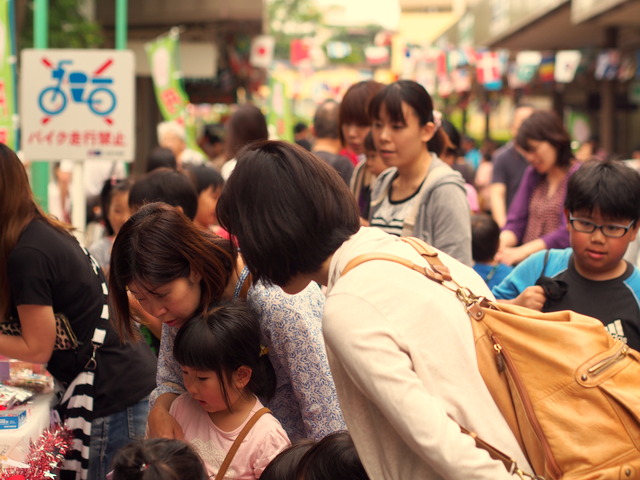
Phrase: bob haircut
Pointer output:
(222, 340)
(157, 245)
(334, 456)
(607, 186)
(158, 459)
(546, 126)
(354, 107)
(288, 209)
(415, 96)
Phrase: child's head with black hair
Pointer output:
(208, 182)
(374, 164)
(165, 185)
(114, 203)
(603, 208)
(609, 187)
(158, 459)
(485, 238)
(222, 359)
(161, 157)
(285, 465)
(334, 456)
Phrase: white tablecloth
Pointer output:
(14, 444)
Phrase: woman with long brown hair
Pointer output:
(50, 284)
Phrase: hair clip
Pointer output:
(143, 467)
(263, 350)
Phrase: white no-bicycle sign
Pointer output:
(77, 104)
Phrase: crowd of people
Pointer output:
(217, 324)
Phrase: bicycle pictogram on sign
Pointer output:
(100, 99)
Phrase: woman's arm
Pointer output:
(160, 422)
(518, 214)
(169, 386)
(514, 255)
(38, 338)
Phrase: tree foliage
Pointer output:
(68, 27)
(289, 19)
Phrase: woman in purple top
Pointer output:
(536, 219)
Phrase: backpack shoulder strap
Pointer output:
(438, 272)
(238, 441)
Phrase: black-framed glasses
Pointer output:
(612, 230)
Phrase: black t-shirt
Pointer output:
(48, 267)
(341, 163)
(611, 301)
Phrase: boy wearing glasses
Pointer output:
(602, 208)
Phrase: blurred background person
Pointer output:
(508, 167)
(173, 136)
(327, 144)
(536, 219)
(301, 135)
(247, 124)
(212, 144)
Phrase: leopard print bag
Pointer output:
(65, 338)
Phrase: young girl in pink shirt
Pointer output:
(225, 370)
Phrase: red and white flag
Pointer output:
(489, 67)
(262, 48)
(376, 55)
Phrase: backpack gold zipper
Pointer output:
(605, 363)
(552, 465)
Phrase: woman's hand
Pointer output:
(511, 255)
(141, 316)
(514, 255)
(160, 422)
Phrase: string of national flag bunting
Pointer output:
(446, 72)
(453, 70)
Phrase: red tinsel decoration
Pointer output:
(45, 456)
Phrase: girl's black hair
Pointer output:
(222, 340)
(334, 456)
(285, 465)
(109, 189)
(158, 459)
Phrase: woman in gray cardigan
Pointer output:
(420, 195)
